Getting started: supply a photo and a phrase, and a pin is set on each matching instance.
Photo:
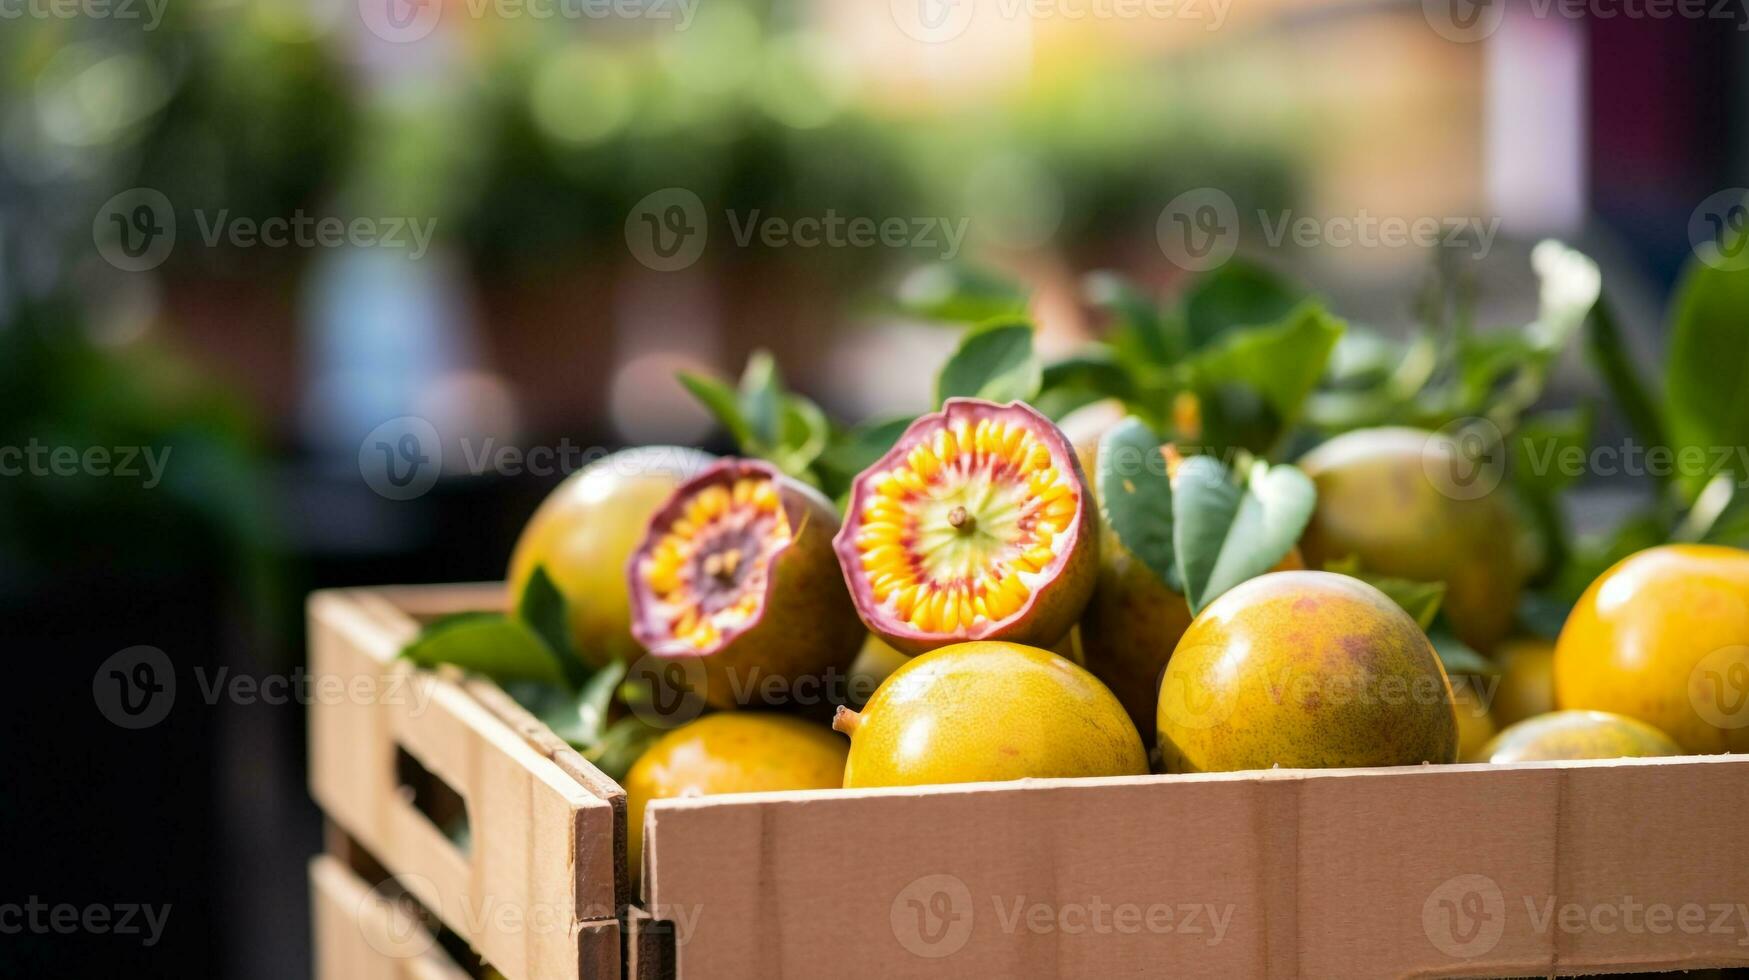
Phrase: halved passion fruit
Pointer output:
(976, 525)
(735, 571)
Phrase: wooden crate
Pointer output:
(1360, 872)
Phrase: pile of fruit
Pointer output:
(1108, 566)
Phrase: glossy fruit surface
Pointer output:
(984, 712)
(730, 752)
(1527, 680)
(1304, 670)
(976, 525)
(1577, 735)
(1408, 504)
(1664, 637)
(736, 571)
(586, 529)
(1132, 625)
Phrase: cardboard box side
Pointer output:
(1433, 871)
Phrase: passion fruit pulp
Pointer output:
(1304, 670)
(585, 530)
(984, 712)
(736, 573)
(976, 525)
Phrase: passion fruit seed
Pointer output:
(709, 570)
(963, 524)
(735, 574)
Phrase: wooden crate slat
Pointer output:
(541, 858)
(354, 939)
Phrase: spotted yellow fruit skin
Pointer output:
(1304, 670)
(1663, 636)
(1577, 735)
(1475, 723)
(989, 711)
(584, 532)
(1527, 680)
(1377, 501)
(730, 752)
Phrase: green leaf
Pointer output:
(1421, 600)
(994, 362)
(1282, 363)
(1542, 443)
(542, 607)
(1139, 329)
(1095, 371)
(501, 647)
(1136, 494)
(1238, 294)
(1457, 657)
(1707, 379)
(1542, 614)
(1614, 359)
(858, 449)
(805, 434)
(621, 745)
(960, 294)
(761, 400)
(722, 402)
(1223, 535)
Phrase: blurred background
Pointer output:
(238, 237)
